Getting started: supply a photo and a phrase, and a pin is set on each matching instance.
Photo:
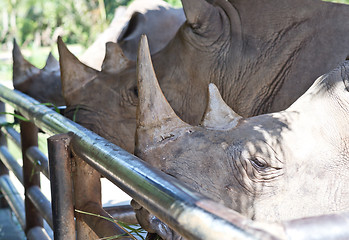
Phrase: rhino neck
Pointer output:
(285, 48)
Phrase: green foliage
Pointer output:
(175, 3)
(39, 22)
(338, 1)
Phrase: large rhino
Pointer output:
(271, 167)
(155, 18)
(152, 17)
(261, 55)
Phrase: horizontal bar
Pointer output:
(169, 199)
(11, 163)
(122, 213)
(13, 135)
(326, 227)
(37, 233)
(39, 159)
(41, 203)
(13, 198)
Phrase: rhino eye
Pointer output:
(135, 91)
(258, 163)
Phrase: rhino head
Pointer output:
(42, 84)
(271, 167)
(261, 55)
(103, 101)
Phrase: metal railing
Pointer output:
(187, 212)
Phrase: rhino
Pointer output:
(101, 100)
(45, 84)
(155, 18)
(261, 55)
(221, 43)
(157, 15)
(272, 167)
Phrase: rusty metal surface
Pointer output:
(31, 177)
(41, 203)
(37, 233)
(13, 198)
(61, 187)
(123, 213)
(38, 159)
(102, 227)
(10, 162)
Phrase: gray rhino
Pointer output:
(139, 18)
(43, 84)
(261, 55)
(101, 100)
(272, 167)
(155, 18)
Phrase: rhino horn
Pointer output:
(218, 114)
(51, 63)
(115, 60)
(22, 69)
(74, 74)
(155, 118)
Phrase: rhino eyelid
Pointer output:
(259, 163)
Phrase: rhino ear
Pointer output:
(218, 114)
(51, 63)
(115, 60)
(196, 12)
(156, 120)
(22, 69)
(74, 74)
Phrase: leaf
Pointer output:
(16, 116)
(50, 105)
(119, 223)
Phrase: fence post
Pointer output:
(87, 196)
(61, 187)
(29, 137)
(3, 142)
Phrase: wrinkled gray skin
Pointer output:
(42, 84)
(272, 167)
(154, 18)
(262, 55)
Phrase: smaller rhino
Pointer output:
(42, 84)
(102, 101)
(273, 167)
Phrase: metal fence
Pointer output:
(187, 212)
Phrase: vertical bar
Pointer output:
(87, 196)
(29, 137)
(61, 187)
(87, 188)
(3, 142)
